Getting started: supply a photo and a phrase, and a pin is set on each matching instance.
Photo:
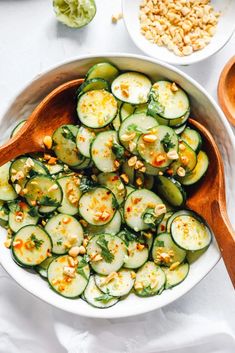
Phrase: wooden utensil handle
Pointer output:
(225, 238)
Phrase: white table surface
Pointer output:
(31, 40)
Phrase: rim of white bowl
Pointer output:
(190, 59)
(104, 314)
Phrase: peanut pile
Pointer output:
(183, 26)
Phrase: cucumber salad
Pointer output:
(102, 212)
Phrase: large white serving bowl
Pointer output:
(203, 108)
(225, 29)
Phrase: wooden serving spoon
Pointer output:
(226, 90)
(207, 198)
(56, 109)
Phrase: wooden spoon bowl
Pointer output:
(226, 90)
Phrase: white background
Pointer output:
(31, 40)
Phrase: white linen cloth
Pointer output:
(202, 321)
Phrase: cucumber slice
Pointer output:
(23, 168)
(155, 153)
(136, 255)
(68, 286)
(114, 183)
(64, 145)
(116, 123)
(176, 123)
(104, 151)
(17, 128)
(129, 189)
(150, 280)
(198, 172)
(75, 14)
(129, 171)
(45, 192)
(141, 108)
(176, 276)
(97, 108)
(190, 232)
(169, 104)
(174, 215)
(162, 225)
(192, 138)
(65, 232)
(113, 227)
(132, 127)
(96, 298)
(43, 266)
(7, 192)
(171, 190)
(147, 180)
(55, 168)
(131, 87)
(93, 84)
(21, 215)
(84, 139)
(87, 163)
(97, 206)
(179, 130)
(105, 70)
(126, 110)
(31, 245)
(187, 159)
(4, 214)
(110, 250)
(165, 252)
(150, 170)
(136, 204)
(193, 256)
(119, 285)
(71, 194)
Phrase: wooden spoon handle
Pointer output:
(225, 237)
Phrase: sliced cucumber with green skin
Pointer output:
(120, 285)
(68, 286)
(97, 206)
(96, 298)
(190, 232)
(111, 250)
(129, 171)
(187, 159)
(93, 84)
(150, 280)
(102, 151)
(71, 194)
(65, 232)
(156, 153)
(150, 170)
(177, 123)
(84, 139)
(113, 227)
(20, 216)
(169, 104)
(114, 183)
(176, 276)
(136, 256)
(97, 108)
(180, 129)
(43, 266)
(55, 168)
(116, 123)
(17, 128)
(174, 215)
(192, 138)
(162, 225)
(4, 214)
(64, 145)
(193, 256)
(136, 205)
(23, 168)
(148, 180)
(198, 172)
(131, 87)
(44, 192)
(171, 190)
(87, 163)
(134, 126)
(7, 192)
(126, 110)
(104, 70)
(31, 245)
(141, 108)
(129, 189)
(165, 252)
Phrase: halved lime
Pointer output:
(75, 13)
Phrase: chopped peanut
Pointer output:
(128, 137)
(74, 251)
(149, 138)
(47, 142)
(160, 209)
(181, 171)
(124, 178)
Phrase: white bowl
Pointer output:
(225, 29)
(206, 111)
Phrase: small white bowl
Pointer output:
(225, 29)
(203, 108)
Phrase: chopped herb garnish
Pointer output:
(105, 252)
(147, 290)
(104, 298)
(80, 268)
(129, 236)
(87, 184)
(33, 212)
(37, 242)
(135, 128)
(167, 142)
(67, 134)
(48, 201)
(59, 242)
(160, 243)
(118, 150)
(32, 173)
(149, 217)
(154, 106)
(13, 206)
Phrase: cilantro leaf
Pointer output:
(118, 150)
(37, 242)
(167, 142)
(129, 236)
(67, 134)
(13, 206)
(160, 243)
(48, 201)
(105, 252)
(104, 298)
(149, 217)
(87, 184)
(147, 290)
(33, 212)
(154, 106)
(80, 268)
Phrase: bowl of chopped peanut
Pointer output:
(179, 32)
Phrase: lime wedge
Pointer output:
(74, 13)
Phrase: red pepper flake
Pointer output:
(128, 209)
